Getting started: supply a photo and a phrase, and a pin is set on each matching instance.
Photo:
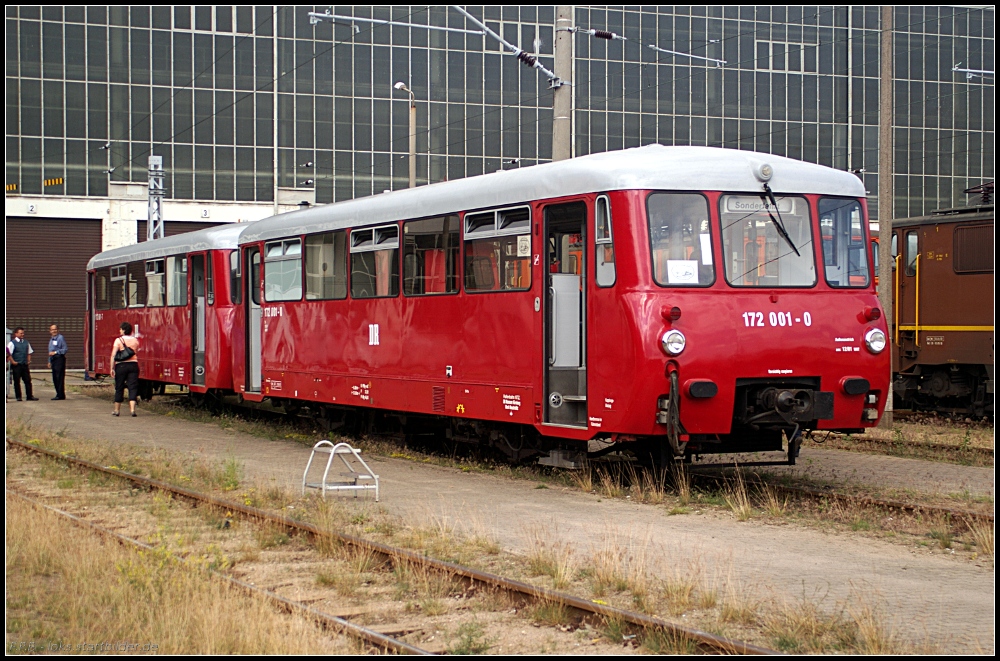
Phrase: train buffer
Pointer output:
(358, 477)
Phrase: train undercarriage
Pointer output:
(965, 390)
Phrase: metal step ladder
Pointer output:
(354, 479)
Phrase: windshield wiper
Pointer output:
(780, 225)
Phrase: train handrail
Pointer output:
(899, 301)
(916, 301)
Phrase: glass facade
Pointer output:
(221, 93)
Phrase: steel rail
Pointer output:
(703, 639)
(819, 494)
(375, 638)
(908, 445)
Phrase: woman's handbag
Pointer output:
(124, 354)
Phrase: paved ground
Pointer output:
(947, 599)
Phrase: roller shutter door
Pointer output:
(46, 281)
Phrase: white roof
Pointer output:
(222, 237)
(654, 167)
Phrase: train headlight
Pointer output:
(875, 340)
(673, 342)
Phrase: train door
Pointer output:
(91, 328)
(908, 295)
(254, 319)
(565, 315)
(198, 310)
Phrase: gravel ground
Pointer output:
(926, 594)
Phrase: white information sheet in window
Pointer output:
(682, 271)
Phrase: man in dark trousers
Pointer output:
(57, 361)
(19, 356)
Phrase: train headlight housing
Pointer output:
(673, 342)
(875, 340)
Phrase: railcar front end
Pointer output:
(758, 321)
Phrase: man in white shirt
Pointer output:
(19, 356)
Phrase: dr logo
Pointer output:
(373, 335)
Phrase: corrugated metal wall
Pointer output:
(171, 227)
(46, 281)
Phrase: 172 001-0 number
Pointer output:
(774, 319)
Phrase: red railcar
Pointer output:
(176, 294)
(675, 300)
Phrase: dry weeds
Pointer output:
(59, 593)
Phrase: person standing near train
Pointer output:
(57, 361)
(19, 356)
(125, 368)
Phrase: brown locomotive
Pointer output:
(943, 294)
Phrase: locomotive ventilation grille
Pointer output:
(438, 399)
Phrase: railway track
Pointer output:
(584, 610)
(955, 514)
(916, 447)
(326, 620)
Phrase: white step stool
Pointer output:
(353, 480)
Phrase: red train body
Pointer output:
(182, 314)
(676, 301)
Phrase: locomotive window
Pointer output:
(430, 256)
(118, 288)
(375, 262)
(155, 285)
(137, 284)
(681, 239)
(912, 252)
(326, 266)
(283, 271)
(102, 293)
(604, 246)
(177, 280)
(235, 278)
(845, 260)
(766, 246)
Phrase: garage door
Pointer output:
(46, 271)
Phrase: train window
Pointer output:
(375, 262)
(766, 246)
(430, 256)
(845, 260)
(235, 278)
(136, 284)
(155, 284)
(326, 266)
(514, 220)
(283, 270)
(118, 287)
(973, 249)
(498, 250)
(102, 293)
(912, 252)
(681, 239)
(177, 280)
(604, 247)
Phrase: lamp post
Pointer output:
(413, 131)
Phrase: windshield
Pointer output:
(760, 240)
(681, 240)
(845, 260)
